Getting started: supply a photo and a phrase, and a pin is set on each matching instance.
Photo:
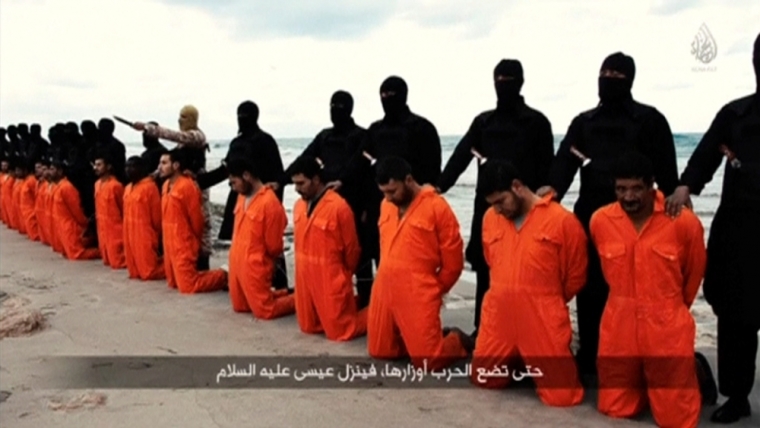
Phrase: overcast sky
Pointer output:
(64, 60)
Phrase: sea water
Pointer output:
(460, 197)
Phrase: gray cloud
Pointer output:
(69, 83)
(342, 19)
(670, 7)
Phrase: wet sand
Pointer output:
(90, 310)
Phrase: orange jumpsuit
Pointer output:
(182, 226)
(40, 211)
(69, 223)
(3, 177)
(26, 207)
(327, 253)
(16, 215)
(256, 244)
(534, 272)
(109, 201)
(55, 241)
(142, 230)
(7, 196)
(646, 339)
(422, 258)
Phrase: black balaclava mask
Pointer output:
(13, 138)
(89, 132)
(508, 91)
(614, 90)
(23, 131)
(248, 117)
(341, 107)
(395, 105)
(105, 129)
(36, 131)
(756, 64)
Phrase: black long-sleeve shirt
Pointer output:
(737, 126)
(603, 135)
(414, 139)
(523, 137)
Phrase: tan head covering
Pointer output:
(191, 113)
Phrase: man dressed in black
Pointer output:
(513, 132)
(251, 143)
(617, 125)
(731, 285)
(335, 147)
(399, 133)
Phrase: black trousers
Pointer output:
(280, 279)
(590, 303)
(203, 263)
(482, 284)
(369, 240)
(737, 350)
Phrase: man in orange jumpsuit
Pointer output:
(422, 253)
(536, 253)
(257, 242)
(29, 200)
(142, 223)
(109, 208)
(5, 175)
(68, 222)
(182, 223)
(17, 220)
(327, 254)
(654, 265)
(40, 202)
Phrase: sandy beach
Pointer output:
(90, 310)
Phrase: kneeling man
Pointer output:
(654, 265)
(422, 258)
(536, 253)
(327, 253)
(257, 243)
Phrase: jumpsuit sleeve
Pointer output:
(349, 238)
(154, 199)
(565, 164)
(707, 157)
(461, 157)
(275, 222)
(573, 256)
(694, 265)
(450, 245)
(70, 197)
(193, 202)
(193, 138)
(119, 196)
(544, 151)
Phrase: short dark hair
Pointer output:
(392, 168)
(237, 166)
(306, 165)
(634, 165)
(497, 175)
(181, 156)
(105, 155)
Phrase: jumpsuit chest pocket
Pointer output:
(544, 253)
(613, 261)
(665, 270)
(420, 236)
